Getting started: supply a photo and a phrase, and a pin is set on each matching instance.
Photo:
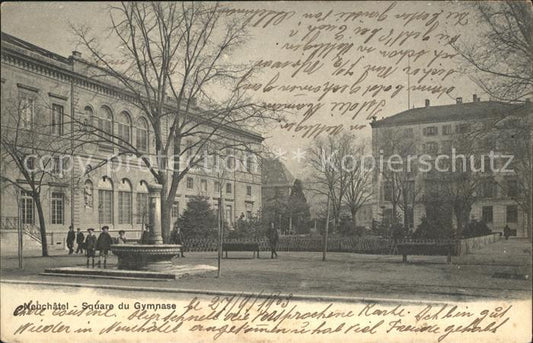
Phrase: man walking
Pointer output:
(90, 245)
(71, 236)
(273, 238)
(79, 241)
(103, 245)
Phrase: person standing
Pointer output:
(121, 237)
(506, 232)
(90, 245)
(79, 241)
(71, 236)
(273, 238)
(103, 244)
(177, 238)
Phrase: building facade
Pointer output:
(43, 89)
(443, 134)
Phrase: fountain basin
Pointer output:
(145, 256)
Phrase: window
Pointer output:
(88, 119)
(487, 189)
(26, 110)
(105, 206)
(58, 208)
(142, 208)
(512, 187)
(203, 185)
(124, 128)
(57, 119)
(431, 131)
(175, 209)
(190, 183)
(249, 190)
(217, 187)
(188, 147)
(387, 191)
(250, 163)
(27, 208)
(230, 159)
(447, 146)
(59, 165)
(228, 188)
(486, 214)
(447, 130)
(229, 214)
(142, 135)
(431, 148)
(105, 201)
(408, 132)
(124, 207)
(462, 128)
(105, 126)
(512, 214)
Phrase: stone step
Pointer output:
(111, 273)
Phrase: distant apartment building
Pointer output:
(476, 127)
(102, 195)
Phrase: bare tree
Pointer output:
(328, 176)
(500, 61)
(35, 153)
(180, 77)
(358, 185)
(399, 177)
(501, 57)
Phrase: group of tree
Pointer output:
(288, 212)
(339, 175)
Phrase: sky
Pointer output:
(47, 24)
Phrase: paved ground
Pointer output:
(343, 274)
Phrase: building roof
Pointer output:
(28, 46)
(275, 173)
(65, 65)
(444, 113)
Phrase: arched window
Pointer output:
(105, 126)
(142, 134)
(105, 201)
(124, 128)
(142, 203)
(124, 202)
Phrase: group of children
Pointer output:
(91, 243)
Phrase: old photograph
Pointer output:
(300, 171)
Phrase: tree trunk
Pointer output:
(354, 219)
(42, 227)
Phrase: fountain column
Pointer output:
(155, 213)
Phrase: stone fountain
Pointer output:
(155, 255)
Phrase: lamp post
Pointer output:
(325, 247)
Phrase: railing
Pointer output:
(365, 245)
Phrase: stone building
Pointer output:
(435, 131)
(52, 88)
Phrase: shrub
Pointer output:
(476, 228)
(432, 230)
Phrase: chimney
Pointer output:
(427, 102)
(459, 100)
(76, 54)
(474, 98)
